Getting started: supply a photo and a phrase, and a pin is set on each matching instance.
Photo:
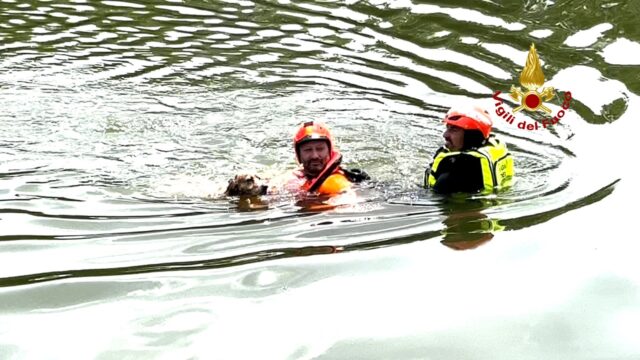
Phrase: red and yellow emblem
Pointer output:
(532, 79)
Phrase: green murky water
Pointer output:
(122, 121)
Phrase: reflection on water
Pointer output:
(123, 120)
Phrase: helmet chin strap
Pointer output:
(332, 165)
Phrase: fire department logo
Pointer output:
(532, 79)
(532, 98)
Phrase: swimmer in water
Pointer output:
(472, 160)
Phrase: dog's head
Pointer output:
(246, 185)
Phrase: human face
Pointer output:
(453, 138)
(314, 156)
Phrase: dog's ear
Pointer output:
(232, 188)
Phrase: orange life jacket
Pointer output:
(336, 183)
(332, 180)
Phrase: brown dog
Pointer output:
(246, 185)
(248, 188)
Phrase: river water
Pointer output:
(123, 120)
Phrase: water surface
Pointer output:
(123, 120)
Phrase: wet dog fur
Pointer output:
(246, 185)
(248, 188)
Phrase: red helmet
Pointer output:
(471, 118)
(312, 131)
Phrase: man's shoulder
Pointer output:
(495, 141)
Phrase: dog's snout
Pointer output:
(263, 189)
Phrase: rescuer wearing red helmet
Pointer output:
(313, 146)
(321, 171)
(471, 160)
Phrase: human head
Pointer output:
(314, 148)
(467, 128)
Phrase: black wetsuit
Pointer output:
(458, 173)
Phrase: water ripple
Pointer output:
(123, 120)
